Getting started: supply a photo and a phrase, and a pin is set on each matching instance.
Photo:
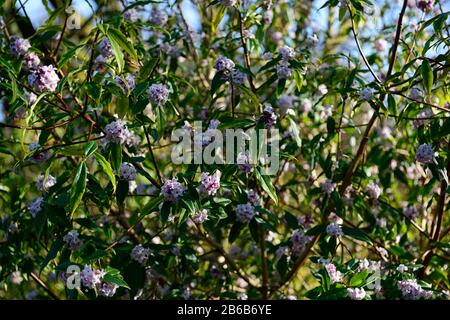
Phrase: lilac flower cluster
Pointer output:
(210, 184)
(286, 53)
(131, 15)
(19, 46)
(425, 153)
(253, 197)
(366, 94)
(91, 278)
(334, 230)
(42, 185)
(328, 186)
(127, 171)
(35, 206)
(158, 17)
(172, 190)
(39, 157)
(73, 242)
(425, 5)
(411, 212)
(269, 118)
(140, 254)
(105, 49)
(245, 212)
(420, 121)
(158, 94)
(373, 190)
(117, 132)
(411, 290)
(31, 61)
(44, 79)
(284, 71)
(299, 241)
(200, 216)
(335, 275)
(243, 162)
(356, 293)
(223, 64)
(126, 83)
(380, 45)
(285, 104)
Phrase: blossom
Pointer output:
(237, 77)
(200, 216)
(411, 290)
(411, 212)
(268, 16)
(72, 241)
(38, 157)
(415, 94)
(245, 212)
(284, 103)
(373, 190)
(223, 64)
(106, 289)
(299, 241)
(366, 94)
(334, 230)
(269, 118)
(252, 197)
(267, 55)
(425, 5)
(402, 268)
(312, 41)
(131, 15)
(328, 186)
(356, 293)
(16, 277)
(425, 153)
(420, 121)
(286, 53)
(31, 61)
(42, 185)
(116, 132)
(380, 45)
(140, 254)
(105, 48)
(243, 162)
(335, 275)
(306, 105)
(126, 83)
(210, 183)
(283, 70)
(19, 46)
(44, 78)
(228, 3)
(90, 278)
(158, 17)
(127, 171)
(172, 190)
(158, 94)
(323, 90)
(35, 206)
(30, 97)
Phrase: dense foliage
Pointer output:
(359, 206)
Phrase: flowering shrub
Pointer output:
(93, 205)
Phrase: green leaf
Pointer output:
(122, 191)
(218, 18)
(392, 105)
(122, 41)
(117, 53)
(122, 104)
(358, 279)
(90, 148)
(427, 75)
(356, 234)
(56, 246)
(152, 205)
(106, 166)
(234, 231)
(266, 184)
(78, 188)
(295, 132)
(116, 156)
(115, 279)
